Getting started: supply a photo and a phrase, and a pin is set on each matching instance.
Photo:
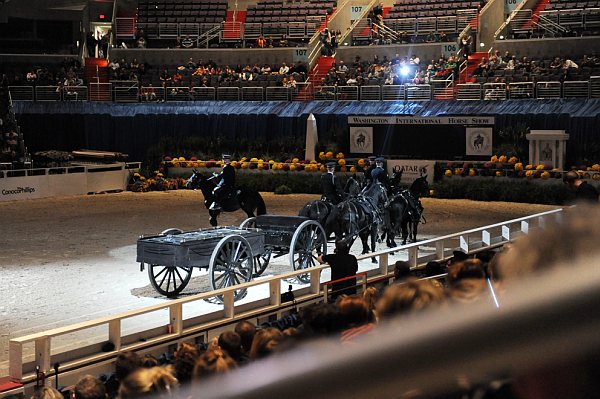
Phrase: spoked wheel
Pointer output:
(231, 263)
(260, 261)
(169, 280)
(309, 241)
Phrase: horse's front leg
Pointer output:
(373, 243)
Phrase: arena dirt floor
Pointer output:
(66, 260)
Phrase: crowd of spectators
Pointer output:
(507, 68)
(68, 73)
(395, 71)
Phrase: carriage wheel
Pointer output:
(231, 263)
(262, 261)
(248, 223)
(169, 280)
(308, 242)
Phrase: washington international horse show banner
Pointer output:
(422, 137)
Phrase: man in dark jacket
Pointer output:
(225, 185)
(330, 185)
(379, 174)
(583, 190)
(369, 170)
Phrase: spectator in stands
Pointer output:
(356, 316)
(213, 361)
(401, 271)
(231, 342)
(31, 77)
(570, 64)
(264, 343)
(185, 358)
(283, 42)
(89, 387)
(466, 281)
(371, 296)
(409, 298)
(187, 42)
(141, 42)
(104, 42)
(261, 42)
(270, 43)
(148, 361)
(47, 393)
(583, 190)
(91, 42)
(125, 364)
(465, 44)
(246, 331)
(165, 77)
(284, 69)
(148, 93)
(153, 382)
(443, 37)
(320, 319)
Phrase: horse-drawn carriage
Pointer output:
(232, 255)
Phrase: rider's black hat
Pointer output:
(226, 156)
(379, 159)
(330, 164)
(372, 158)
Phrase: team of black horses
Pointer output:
(367, 210)
(371, 211)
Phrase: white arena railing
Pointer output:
(160, 327)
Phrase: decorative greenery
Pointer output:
(283, 190)
(504, 189)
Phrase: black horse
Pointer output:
(361, 216)
(405, 212)
(248, 200)
(324, 211)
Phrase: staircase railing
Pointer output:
(206, 37)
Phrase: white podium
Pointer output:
(548, 147)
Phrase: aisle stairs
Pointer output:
(539, 7)
(232, 26)
(473, 61)
(320, 70)
(96, 76)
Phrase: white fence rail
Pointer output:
(174, 320)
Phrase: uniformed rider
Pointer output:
(369, 170)
(331, 186)
(225, 184)
(379, 174)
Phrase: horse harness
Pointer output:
(414, 206)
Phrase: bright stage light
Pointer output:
(404, 71)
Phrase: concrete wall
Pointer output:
(490, 19)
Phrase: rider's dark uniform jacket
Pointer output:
(380, 175)
(226, 182)
(331, 188)
(368, 174)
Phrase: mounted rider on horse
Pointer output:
(226, 184)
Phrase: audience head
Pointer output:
(231, 342)
(433, 268)
(47, 393)
(371, 296)
(126, 363)
(89, 387)
(265, 341)
(154, 382)
(408, 298)
(401, 270)
(469, 268)
(321, 319)
(246, 331)
(149, 361)
(185, 358)
(354, 310)
(213, 361)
